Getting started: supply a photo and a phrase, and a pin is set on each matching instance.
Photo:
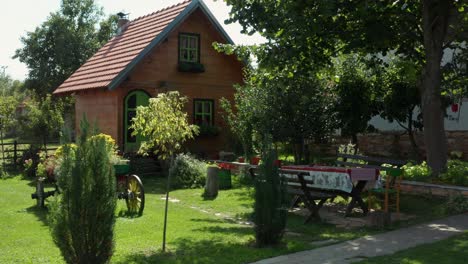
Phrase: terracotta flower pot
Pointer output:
(254, 160)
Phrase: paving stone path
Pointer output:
(377, 245)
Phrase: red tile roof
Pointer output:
(114, 57)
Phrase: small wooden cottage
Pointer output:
(168, 50)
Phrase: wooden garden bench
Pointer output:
(300, 187)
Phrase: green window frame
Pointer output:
(203, 112)
(189, 47)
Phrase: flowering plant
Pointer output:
(28, 164)
(225, 166)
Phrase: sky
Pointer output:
(22, 16)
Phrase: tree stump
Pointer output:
(212, 182)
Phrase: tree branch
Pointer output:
(399, 123)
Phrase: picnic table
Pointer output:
(346, 182)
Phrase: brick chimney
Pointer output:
(122, 22)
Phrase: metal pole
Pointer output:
(167, 203)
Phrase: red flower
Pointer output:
(224, 166)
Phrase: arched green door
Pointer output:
(132, 101)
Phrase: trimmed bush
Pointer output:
(187, 172)
(270, 203)
(82, 219)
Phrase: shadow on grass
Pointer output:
(153, 185)
(207, 252)
(40, 213)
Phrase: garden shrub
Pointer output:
(30, 159)
(82, 219)
(457, 173)
(420, 172)
(270, 203)
(187, 172)
(457, 204)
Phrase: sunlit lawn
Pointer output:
(199, 231)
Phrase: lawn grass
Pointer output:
(199, 230)
(449, 251)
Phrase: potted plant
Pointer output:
(224, 175)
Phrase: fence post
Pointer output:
(15, 154)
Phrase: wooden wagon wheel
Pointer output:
(135, 197)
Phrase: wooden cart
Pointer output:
(128, 187)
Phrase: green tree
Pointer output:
(165, 126)
(44, 119)
(60, 45)
(8, 106)
(401, 98)
(357, 95)
(290, 106)
(10, 87)
(82, 218)
(307, 32)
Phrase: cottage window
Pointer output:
(203, 112)
(189, 48)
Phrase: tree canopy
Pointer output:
(164, 123)
(309, 33)
(61, 44)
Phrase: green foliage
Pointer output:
(164, 123)
(401, 94)
(8, 119)
(10, 87)
(30, 159)
(187, 172)
(239, 120)
(44, 118)
(421, 172)
(306, 35)
(61, 44)
(456, 174)
(8, 106)
(457, 204)
(82, 219)
(270, 202)
(289, 106)
(358, 95)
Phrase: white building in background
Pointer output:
(456, 119)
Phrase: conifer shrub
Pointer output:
(269, 210)
(82, 218)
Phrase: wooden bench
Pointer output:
(300, 188)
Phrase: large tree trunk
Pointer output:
(435, 23)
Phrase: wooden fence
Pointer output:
(12, 152)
